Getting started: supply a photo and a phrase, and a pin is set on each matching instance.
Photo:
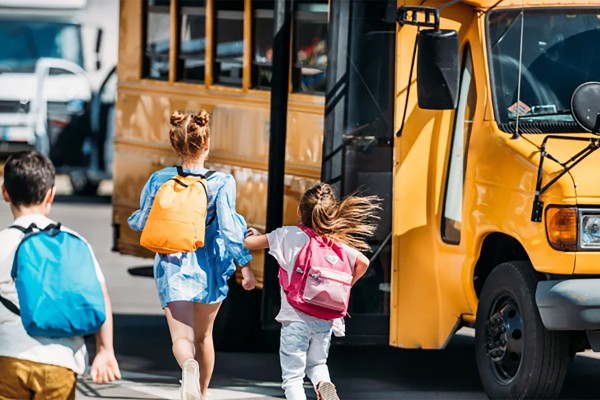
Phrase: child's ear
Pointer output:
(50, 195)
(298, 211)
(5, 195)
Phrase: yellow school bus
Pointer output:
(474, 121)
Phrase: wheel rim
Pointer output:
(504, 338)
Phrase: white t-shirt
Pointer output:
(14, 340)
(284, 244)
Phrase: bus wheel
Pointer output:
(516, 356)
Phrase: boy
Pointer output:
(40, 367)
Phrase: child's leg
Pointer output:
(292, 355)
(318, 351)
(204, 320)
(180, 318)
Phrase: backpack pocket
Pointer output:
(327, 288)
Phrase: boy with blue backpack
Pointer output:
(52, 293)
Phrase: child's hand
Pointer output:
(105, 368)
(252, 232)
(248, 280)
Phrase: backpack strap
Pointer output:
(307, 230)
(181, 172)
(208, 174)
(27, 230)
(212, 219)
(10, 305)
(52, 229)
(313, 235)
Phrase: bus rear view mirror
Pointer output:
(585, 106)
(438, 69)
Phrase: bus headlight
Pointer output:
(561, 228)
(589, 229)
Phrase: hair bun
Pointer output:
(177, 117)
(202, 118)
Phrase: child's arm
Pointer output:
(248, 279)
(255, 240)
(105, 367)
(232, 225)
(137, 220)
(360, 267)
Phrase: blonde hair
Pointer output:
(350, 221)
(189, 133)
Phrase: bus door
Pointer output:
(358, 142)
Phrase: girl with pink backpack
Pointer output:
(319, 262)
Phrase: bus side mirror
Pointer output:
(585, 106)
(438, 69)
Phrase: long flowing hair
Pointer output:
(351, 221)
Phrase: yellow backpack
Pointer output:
(177, 219)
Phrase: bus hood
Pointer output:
(57, 88)
(584, 174)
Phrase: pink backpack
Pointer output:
(321, 280)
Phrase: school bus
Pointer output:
(473, 120)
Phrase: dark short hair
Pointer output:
(28, 176)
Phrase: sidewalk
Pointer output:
(145, 386)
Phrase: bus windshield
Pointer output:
(24, 42)
(560, 52)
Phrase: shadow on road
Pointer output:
(143, 346)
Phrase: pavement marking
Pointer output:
(159, 387)
(157, 392)
(214, 394)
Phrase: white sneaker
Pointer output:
(190, 380)
(326, 391)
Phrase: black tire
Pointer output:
(517, 358)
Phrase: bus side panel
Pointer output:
(239, 146)
(427, 293)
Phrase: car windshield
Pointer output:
(24, 42)
(560, 52)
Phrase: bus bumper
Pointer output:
(572, 304)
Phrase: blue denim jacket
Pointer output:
(206, 270)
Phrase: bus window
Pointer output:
(192, 40)
(229, 42)
(310, 47)
(157, 39)
(463, 125)
(262, 63)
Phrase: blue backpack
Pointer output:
(59, 292)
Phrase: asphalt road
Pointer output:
(143, 347)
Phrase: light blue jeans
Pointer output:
(303, 350)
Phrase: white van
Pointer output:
(51, 67)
